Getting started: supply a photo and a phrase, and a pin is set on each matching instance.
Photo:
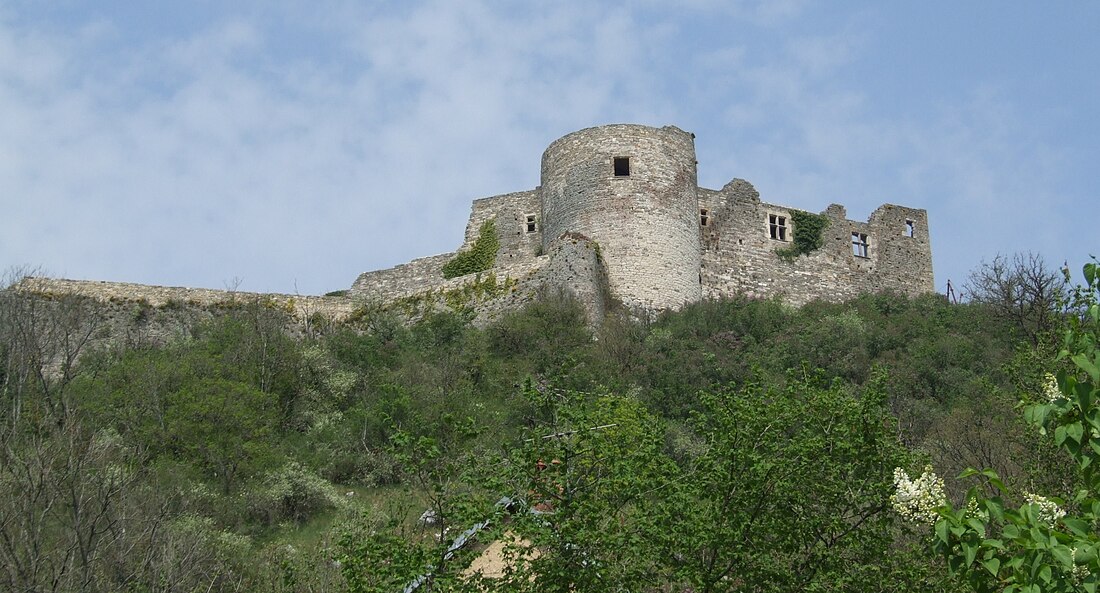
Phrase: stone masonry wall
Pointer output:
(516, 257)
(386, 285)
(740, 254)
(665, 241)
(575, 267)
(645, 222)
(302, 307)
(572, 267)
(510, 212)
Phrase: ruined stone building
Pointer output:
(619, 213)
(619, 217)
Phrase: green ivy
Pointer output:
(480, 289)
(481, 255)
(808, 230)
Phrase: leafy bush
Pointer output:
(293, 493)
(480, 257)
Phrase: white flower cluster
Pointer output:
(974, 511)
(1049, 512)
(1080, 571)
(1050, 389)
(917, 500)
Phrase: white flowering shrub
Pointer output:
(1046, 510)
(1051, 393)
(1046, 544)
(918, 500)
(293, 493)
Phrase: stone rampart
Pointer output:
(576, 268)
(517, 255)
(618, 215)
(302, 307)
(401, 281)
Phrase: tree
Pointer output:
(225, 426)
(790, 491)
(61, 482)
(1021, 289)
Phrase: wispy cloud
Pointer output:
(301, 144)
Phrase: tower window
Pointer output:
(860, 245)
(777, 227)
(531, 225)
(704, 217)
(621, 165)
(909, 226)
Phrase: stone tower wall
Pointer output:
(645, 223)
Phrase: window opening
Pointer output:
(860, 245)
(704, 217)
(777, 227)
(908, 228)
(531, 225)
(622, 166)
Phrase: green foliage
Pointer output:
(540, 338)
(379, 555)
(293, 493)
(457, 300)
(808, 231)
(224, 426)
(480, 257)
(799, 477)
(803, 499)
(601, 484)
(1008, 540)
(712, 466)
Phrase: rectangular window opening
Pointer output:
(860, 245)
(909, 226)
(704, 217)
(531, 225)
(622, 166)
(777, 227)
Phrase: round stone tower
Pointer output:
(633, 190)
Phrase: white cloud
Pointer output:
(311, 143)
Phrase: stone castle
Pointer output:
(619, 217)
(619, 212)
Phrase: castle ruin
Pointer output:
(618, 217)
(619, 213)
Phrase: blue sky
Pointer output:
(289, 146)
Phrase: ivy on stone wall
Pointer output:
(459, 299)
(808, 230)
(479, 257)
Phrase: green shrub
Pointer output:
(293, 493)
(481, 255)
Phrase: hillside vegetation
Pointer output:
(737, 445)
